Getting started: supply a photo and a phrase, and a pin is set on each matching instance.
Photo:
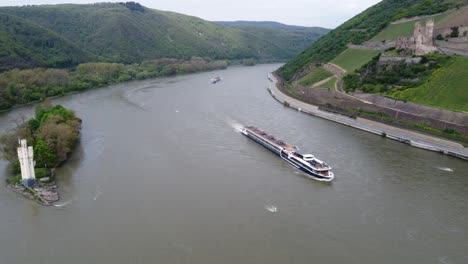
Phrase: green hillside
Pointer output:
(330, 84)
(118, 32)
(315, 76)
(446, 87)
(23, 44)
(352, 59)
(405, 29)
(361, 28)
(394, 31)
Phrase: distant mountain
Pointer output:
(64, 35)
(291, 39)
(271, 24)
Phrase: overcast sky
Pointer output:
(322, 13)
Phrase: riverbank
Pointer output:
(44, 192)
(405, 136)
(27, 86)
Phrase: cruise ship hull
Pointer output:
(286, 155)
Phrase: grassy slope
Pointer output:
(317, 75)
(359, 29)
(392, 32)
(352, 59)
(329, 85)
(115, 33)
(446, 88)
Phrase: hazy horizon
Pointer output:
(312, 13)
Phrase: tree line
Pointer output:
(18, 87)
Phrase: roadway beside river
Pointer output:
(405, 136)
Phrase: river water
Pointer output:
(162, 176)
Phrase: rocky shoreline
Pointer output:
(45, 192)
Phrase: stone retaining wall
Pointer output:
(432, 112)
(446, 31)
(450, 51)
(453, 46)
(374, 45)
(393, 60)
(437, 118)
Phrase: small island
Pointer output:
(36, 147)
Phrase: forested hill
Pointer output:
(272, 24)
(64, 35)
(291, 39)
(362, 28)
(24, 44)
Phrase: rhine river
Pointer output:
(162, 176)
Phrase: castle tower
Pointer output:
(26, 159)
(429, 33)
(417, 28)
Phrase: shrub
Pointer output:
(43, 155)
(454, 33)
(375, 77)
(42, 172)
(249, 62)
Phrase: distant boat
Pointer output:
(272, 208)
(215, 80)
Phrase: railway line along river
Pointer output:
(162, 175)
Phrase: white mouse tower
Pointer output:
(26, 159)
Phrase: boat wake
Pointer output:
(98, 193)
(63, 204)
(127, 97)
(234, 124)
(445, 169)
(271, 208)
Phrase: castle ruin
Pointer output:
(422, 41)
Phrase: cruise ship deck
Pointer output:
(274, 141)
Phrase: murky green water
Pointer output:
(161, 176)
